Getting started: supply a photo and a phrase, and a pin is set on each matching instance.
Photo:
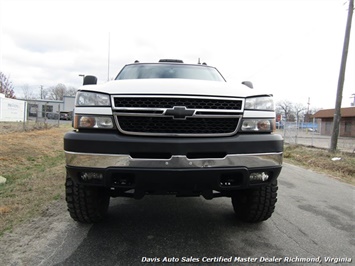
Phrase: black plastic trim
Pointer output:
(111, 142)
(147, 179)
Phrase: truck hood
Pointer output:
(173, 87)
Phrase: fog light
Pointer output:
(91, 175)
(260, 176)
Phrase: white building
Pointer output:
(50, 108)
(12, 109)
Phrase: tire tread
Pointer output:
(86, 204)
(255, 205)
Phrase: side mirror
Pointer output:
(248, 84)
(90, 80)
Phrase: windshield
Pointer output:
(177, 71)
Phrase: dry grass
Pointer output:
(320, 160)
(33, 164)
(12, 127)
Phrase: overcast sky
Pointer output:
(291, 48)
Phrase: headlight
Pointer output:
(90, 121)
(84, 98)
(257, 125)
(259, 103)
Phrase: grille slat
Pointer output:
(144, 115)
(162, 125)
(189, 103)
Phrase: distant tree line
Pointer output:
(289, 111)
(51, 93)
(293, 112)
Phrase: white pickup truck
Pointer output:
(171, 128)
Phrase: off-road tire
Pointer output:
(255, 205)
(86, 204)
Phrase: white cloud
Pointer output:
(292, 48)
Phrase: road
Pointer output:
(314, 219)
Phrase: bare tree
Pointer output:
(6, 86)
(285, 107)
(57, 92)
(71, 91)
(27, 92)
(298, 109)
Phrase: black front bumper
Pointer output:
(178, 165)
(114, 143)
(182, 182)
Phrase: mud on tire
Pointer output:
(86, 204)
(255, 205)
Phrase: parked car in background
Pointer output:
(52, 115)
(66, 115)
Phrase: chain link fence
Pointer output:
(37, 118)
(307, 134)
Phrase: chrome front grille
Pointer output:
(167, 125)
(177, 115)
(168, 102)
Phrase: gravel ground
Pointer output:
(32, 241)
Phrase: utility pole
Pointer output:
(108, 56)
(337, 114)
(308, 115)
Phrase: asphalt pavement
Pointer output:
(313, 223)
